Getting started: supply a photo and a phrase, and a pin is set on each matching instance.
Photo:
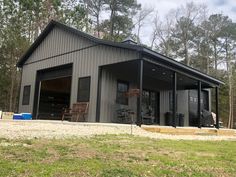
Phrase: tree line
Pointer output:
(189, 34)
(202, 41)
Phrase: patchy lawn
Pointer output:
(116, 155)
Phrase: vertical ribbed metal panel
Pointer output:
(182, 105)
(57, 42)
(85, 63)
(108, 97)
(164, 105)
(209, 98)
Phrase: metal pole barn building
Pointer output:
(65, 66)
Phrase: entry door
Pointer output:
(151, 107)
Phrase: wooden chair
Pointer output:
(66, 112)
(77, 113)
(79, 110)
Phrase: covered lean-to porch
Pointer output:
(147, 91)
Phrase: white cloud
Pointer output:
(220, 2)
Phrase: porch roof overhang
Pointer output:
(164, 61)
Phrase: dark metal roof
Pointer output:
(157, 56)
(181, 66)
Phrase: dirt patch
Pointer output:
(73, 174)
(84, 153)
(205, 154)
(53, 156)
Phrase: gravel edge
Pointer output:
(35, 129)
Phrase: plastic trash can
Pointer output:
(181, 120)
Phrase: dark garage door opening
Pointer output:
(54, 96)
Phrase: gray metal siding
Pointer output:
(108, 96)
(58, 42)
(164, 105)
(209, 98)
(182, 105)
(85, 63)
(28, 78)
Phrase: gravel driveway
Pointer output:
(56, 129)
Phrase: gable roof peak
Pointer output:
(53, 24)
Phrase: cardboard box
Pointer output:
(7, 115)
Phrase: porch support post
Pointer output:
(98, 106)
(217, 107)
(174, 88)
(199, 104)
(139, 114)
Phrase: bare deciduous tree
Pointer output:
(162, 34)
(141, 20)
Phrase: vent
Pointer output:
(129, 40)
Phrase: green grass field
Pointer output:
(113, 155)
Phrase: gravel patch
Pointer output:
(10, 129)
